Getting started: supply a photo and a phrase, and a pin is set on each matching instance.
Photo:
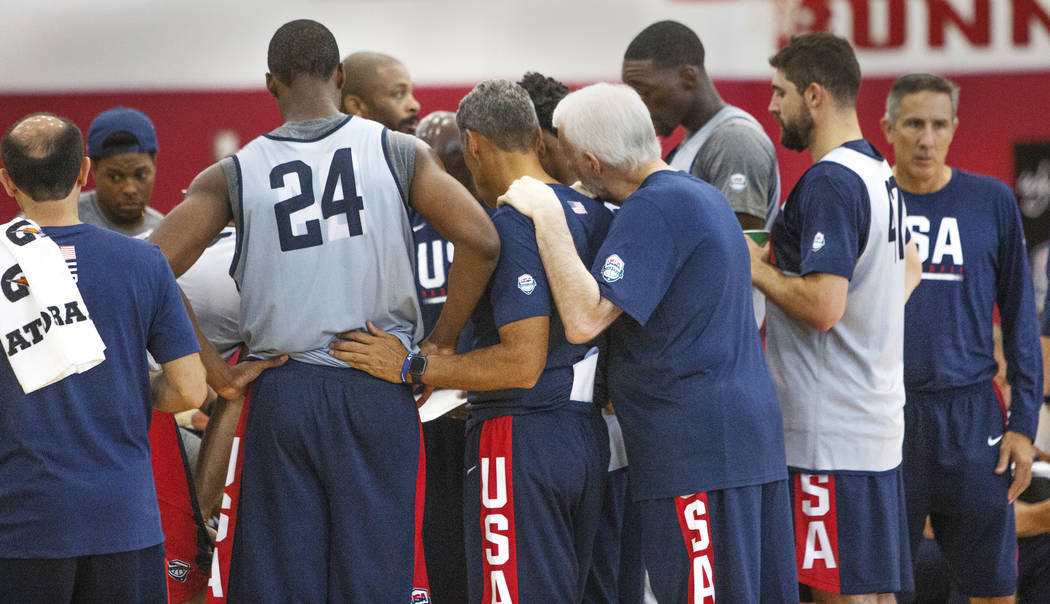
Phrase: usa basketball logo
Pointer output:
(818, 242)
(178, 570)
(527, 284)
(420, 596)
(613, 269)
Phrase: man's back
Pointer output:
(80, 445)
(677, 265)
(519, 290)
(841, 390)
(321, 217)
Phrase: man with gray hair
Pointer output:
(958, 445)
(536, 443)
(686, 371)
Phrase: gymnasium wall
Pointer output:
(197, 67)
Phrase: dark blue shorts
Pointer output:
(136, 576)
(731, 545)
(851, 536)
(532, 499)
(951, 448)
(617, 570)
(331, 498)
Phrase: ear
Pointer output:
(473, 144)
(353, 105)
(887, 129)
(85, 169)
(9, 185)
(814, 95)
(688, 77)
(593, 165)
(271, 84)
(340, 77)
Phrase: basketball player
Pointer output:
(958, 446)
(536, 443)
(122, 145)
(378, 87)
(840, 274)
(330, 510)
(724, 145)
(686, 372)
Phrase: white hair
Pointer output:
(611, 122)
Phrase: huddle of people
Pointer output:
(588, 340)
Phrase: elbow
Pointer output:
(825, 319)
(529, 372)
(578, 336)
(190, 395)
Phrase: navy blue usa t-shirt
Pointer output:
(973, 256)
(75, 471)
(518, 290)
(686, 371)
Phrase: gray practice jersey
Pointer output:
(90, 213)
(732, 152)
(323, 236)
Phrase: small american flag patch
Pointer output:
(69, 254)
(578, 207)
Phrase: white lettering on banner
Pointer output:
(500, 499)
(895, 24)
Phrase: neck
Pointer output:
(509, 166)
(308, 100)
(708, 102)
(623, 184)
(53, 213)
(922, 185)
(840, 126)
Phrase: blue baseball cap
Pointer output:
(121, 119)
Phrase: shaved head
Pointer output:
(362, 71)
(378, 87)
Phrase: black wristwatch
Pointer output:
(416, 367)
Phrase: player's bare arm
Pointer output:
(180, 385)
(817, 299)
(196, 222)
(458, 217)
(583, 310)
(182, 236)
(516, 362)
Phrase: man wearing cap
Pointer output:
(122, 146)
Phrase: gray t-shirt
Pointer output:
(90, 213)
(733, 153)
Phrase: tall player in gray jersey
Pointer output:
(330, 492)
(724, 145)
(841, 272)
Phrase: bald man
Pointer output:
(377, 87)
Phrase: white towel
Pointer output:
(45, 329)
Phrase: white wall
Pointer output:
(61, 45)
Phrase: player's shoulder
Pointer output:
(734, 133)
(578, 203)
(979, 184)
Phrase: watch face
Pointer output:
(418, 365)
